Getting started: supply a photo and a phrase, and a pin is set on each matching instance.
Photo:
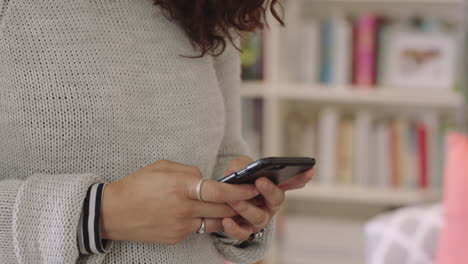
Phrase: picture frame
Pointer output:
(421, 60)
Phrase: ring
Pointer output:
(202, 230)
(199, 185)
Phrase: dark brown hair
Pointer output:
(209, 23)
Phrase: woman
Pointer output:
(143, 97)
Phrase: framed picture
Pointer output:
(421, 60)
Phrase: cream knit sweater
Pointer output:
(92, 90)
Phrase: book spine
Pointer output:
(328, 126)
(362, 147)
(423, 155)
(309, 139)
(382, 159)
(366, 50)
(341, 51)
(394, 166)
(401, 126)
(309, 50)
(345, 152)
(326, 51)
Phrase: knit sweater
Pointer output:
(91, 91)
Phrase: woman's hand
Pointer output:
(158, 204)
(257, 213)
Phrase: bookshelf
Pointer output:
(278, 93)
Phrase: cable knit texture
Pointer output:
(92, 90)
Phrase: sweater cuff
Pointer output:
(89, 233)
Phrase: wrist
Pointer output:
(108, 222)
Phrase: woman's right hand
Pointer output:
(158, 204)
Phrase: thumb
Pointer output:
(238, 164)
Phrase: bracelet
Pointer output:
(253, 237)
(256, 236)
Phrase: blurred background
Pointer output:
(368, 88)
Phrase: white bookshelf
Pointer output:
(275, 91)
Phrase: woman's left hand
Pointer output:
(257, 213)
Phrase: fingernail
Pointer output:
(268, 186)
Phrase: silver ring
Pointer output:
(199, 185)
(202, 229)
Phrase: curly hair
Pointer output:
(210, 23)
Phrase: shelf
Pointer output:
(252, 89)
(363, 195)
(349, 95)
(373, 96)
(425, 2)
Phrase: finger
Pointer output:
(238, 164)
(217, 192)
(255, 216)
(235, 231)
(211, 225)
(297, 182)
(273, 195)
(212, 210)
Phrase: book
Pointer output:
(362, 148)
(336, 51)
(309, 48)
(327, 126)
(402, 160)
(309, 138)
(422, 138)
(326, 44)
(365, 50)
(345, 151)
(294, 134)
(384, 30)
(412, 157)
(342, 51)
(382, 158)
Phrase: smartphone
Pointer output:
(276, 169)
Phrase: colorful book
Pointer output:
(422, 138)
(345, 151)
(365, 50)
(326, 44)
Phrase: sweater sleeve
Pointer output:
(39, 217)
(228, 72)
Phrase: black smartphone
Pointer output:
(277, 169)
